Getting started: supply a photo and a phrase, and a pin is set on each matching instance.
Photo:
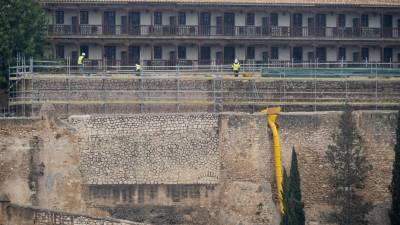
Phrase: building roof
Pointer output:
(243, 2)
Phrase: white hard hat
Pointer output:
(236, 61)
(83, 53)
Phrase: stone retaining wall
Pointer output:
(149, 149)
(27, 215)
(311, 133)
(219, 163)
(123, 94)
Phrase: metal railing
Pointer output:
(25, 94)
(184, 67)
(234, 31)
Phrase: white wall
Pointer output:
(260, 49)
(95, 52)
(331, 20)
(283, 20)
(68, 16)
(68, 49)
(214, 18)
(331, 54)
(240, 19)
(165, 17)
(349, 19)
(395, 18)
(214, 50)
(145, 18)
(374, 21)
(95, 18)
(166, 49)
(240, 53)
(118, 51)
(305, 18)
(396, 52)
(191, 53)
(49, 17)
(284, 53)
(191, 19)
(350, 51)
(258, 18)
(145, 52)
(374, 54)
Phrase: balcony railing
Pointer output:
(236, 31)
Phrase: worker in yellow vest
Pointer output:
(236, 67)
(81, 59)
(138, 69)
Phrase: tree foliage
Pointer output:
(394, 212)
(348, 174)
(22, 30)
(292, 200)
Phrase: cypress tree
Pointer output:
(349, 171)
(394, 212)
(295, 190)
(286, 219)
(293, 205)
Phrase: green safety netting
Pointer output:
(329, 72)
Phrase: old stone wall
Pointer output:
(149, 149)
(28, 215)
(127, 94)
(311, 133)
(236, 190)
(213, 168)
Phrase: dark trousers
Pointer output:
(236, 73)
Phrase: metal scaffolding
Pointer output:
(224, 93)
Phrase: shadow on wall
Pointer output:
(149, 194)
(161, 215)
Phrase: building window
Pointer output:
(320, 53)
(59, 17)
(84, 17)
(181, 52)
(341, 53)
(157, 52)
(85, 49)
(274, 19)
(250, 19)
(60, 52)
(341, 20)
(364, 20)
(274, 53)
(250, 53)
(365, 54)
(297, 54)
(311, 56)
(182, 18)
(265, 57)
(157, 18)
(356, 56)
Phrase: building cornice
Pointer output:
(273, 3)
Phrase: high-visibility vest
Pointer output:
(80, 59)
(138, 67)
(236, 66)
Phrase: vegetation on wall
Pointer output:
(292, 200)
(349, 169)
(22, 30)
(394, 212)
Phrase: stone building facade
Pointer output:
(160, 33)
